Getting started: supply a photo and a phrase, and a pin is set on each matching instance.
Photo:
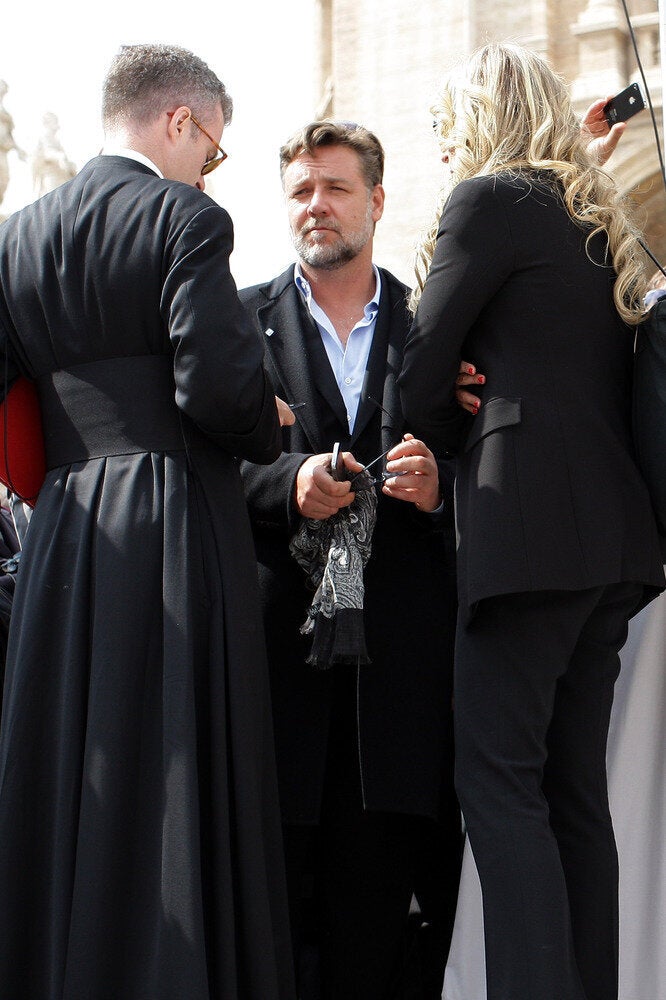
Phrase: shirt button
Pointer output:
(348, 381)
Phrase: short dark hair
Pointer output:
(329, 132)
(143, 79)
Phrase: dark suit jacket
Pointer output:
(548, 494)
(146, 760)
(649, 409)
(404, 695)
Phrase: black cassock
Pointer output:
(140, 853)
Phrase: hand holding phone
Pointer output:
(624, 105)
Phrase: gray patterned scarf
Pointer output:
(333, 553)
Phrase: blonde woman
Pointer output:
(532, 272)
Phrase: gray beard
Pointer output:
(331, 256)
(327, 257)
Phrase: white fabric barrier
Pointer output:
(637, 787)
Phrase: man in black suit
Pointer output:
(141, 838)
(364, 751)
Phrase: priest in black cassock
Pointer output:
(140, 854)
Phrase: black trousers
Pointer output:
(534, 681)
(352, 879)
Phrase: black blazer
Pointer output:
(404, 695)
(649, 409)
(548, 494)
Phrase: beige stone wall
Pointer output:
(383, 61)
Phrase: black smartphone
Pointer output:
(338, 470)
(625, 104)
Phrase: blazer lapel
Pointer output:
(294, 347)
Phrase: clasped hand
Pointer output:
(413, 474)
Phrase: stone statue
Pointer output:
(50, 164)
(7, 142)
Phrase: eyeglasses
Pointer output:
(210, 165)
(378, 480)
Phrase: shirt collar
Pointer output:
(303, 285)
(110, 149)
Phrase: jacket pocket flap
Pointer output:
(500, 412)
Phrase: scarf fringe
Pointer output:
(340, 639)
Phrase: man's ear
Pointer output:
(177, 121)
(377, 202)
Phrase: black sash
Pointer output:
(117, 406)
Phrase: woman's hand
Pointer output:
(468, 375)
(603, 138)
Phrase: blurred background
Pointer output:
(284, 63)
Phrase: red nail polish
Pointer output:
(481, 379)
(475, 410)
(470, 370)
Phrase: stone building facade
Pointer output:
(380, 64)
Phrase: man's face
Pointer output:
(332, 214)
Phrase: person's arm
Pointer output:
(220, 379)
(473, 257)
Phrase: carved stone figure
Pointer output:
(50, 164)
(7, 142)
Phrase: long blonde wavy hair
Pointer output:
(506, 111)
